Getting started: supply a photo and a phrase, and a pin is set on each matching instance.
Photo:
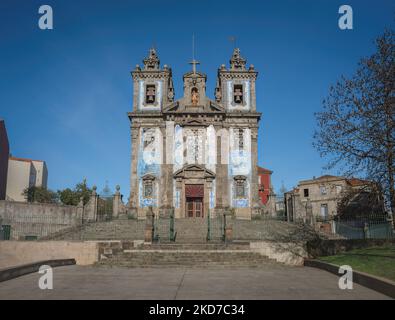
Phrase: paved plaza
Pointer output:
(268, 282)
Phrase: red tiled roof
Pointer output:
(357, 182)
(263, 170)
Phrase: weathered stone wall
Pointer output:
(38, 219)
(15, 253)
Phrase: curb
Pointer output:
(384, 286)
(17, 271)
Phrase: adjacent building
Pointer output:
(194, 154)
(266, 192)
(4, 155)
(318, 198)
(22, 174)
(265, 184)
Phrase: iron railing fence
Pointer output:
(364, 226)
(34, 226)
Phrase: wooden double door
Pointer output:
(194, 207)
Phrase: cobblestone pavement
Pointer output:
(268, 282)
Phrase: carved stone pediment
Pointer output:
(148, 177)
(194, 171)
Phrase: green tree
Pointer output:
(68, 197)
(40, 194)
(72, 196)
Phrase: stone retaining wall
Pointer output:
(37, 220)
(13, 253)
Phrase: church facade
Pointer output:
(195, 155)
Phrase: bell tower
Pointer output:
(236, 86)
(153, 86)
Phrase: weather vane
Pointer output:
(233, 40)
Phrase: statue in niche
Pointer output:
(194, 96)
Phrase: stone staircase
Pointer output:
(188, 230)
(182, 255)
(104, 230)
(194, 230)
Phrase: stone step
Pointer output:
(196, 246)
(184, 257)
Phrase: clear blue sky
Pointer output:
(64, 93)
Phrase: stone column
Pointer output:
(116, 204)
(80, 212)
(149, 225)
(228, 226)
(90, 209)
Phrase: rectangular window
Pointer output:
(323, 190)
(150, 94)
(324, 211)
(148, 189)
(238, 94)
(306, 192)
(338, 189)
(240, 189)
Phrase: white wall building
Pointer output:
(24, 173)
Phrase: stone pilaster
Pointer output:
(256, 203)
(133, 199)
(222, 187)
(166, 183)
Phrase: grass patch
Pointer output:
(378, 261)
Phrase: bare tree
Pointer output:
(356, 129)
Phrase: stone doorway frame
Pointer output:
(193, 174)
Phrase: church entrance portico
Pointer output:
(193, 184)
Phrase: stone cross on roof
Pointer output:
(194, 63)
